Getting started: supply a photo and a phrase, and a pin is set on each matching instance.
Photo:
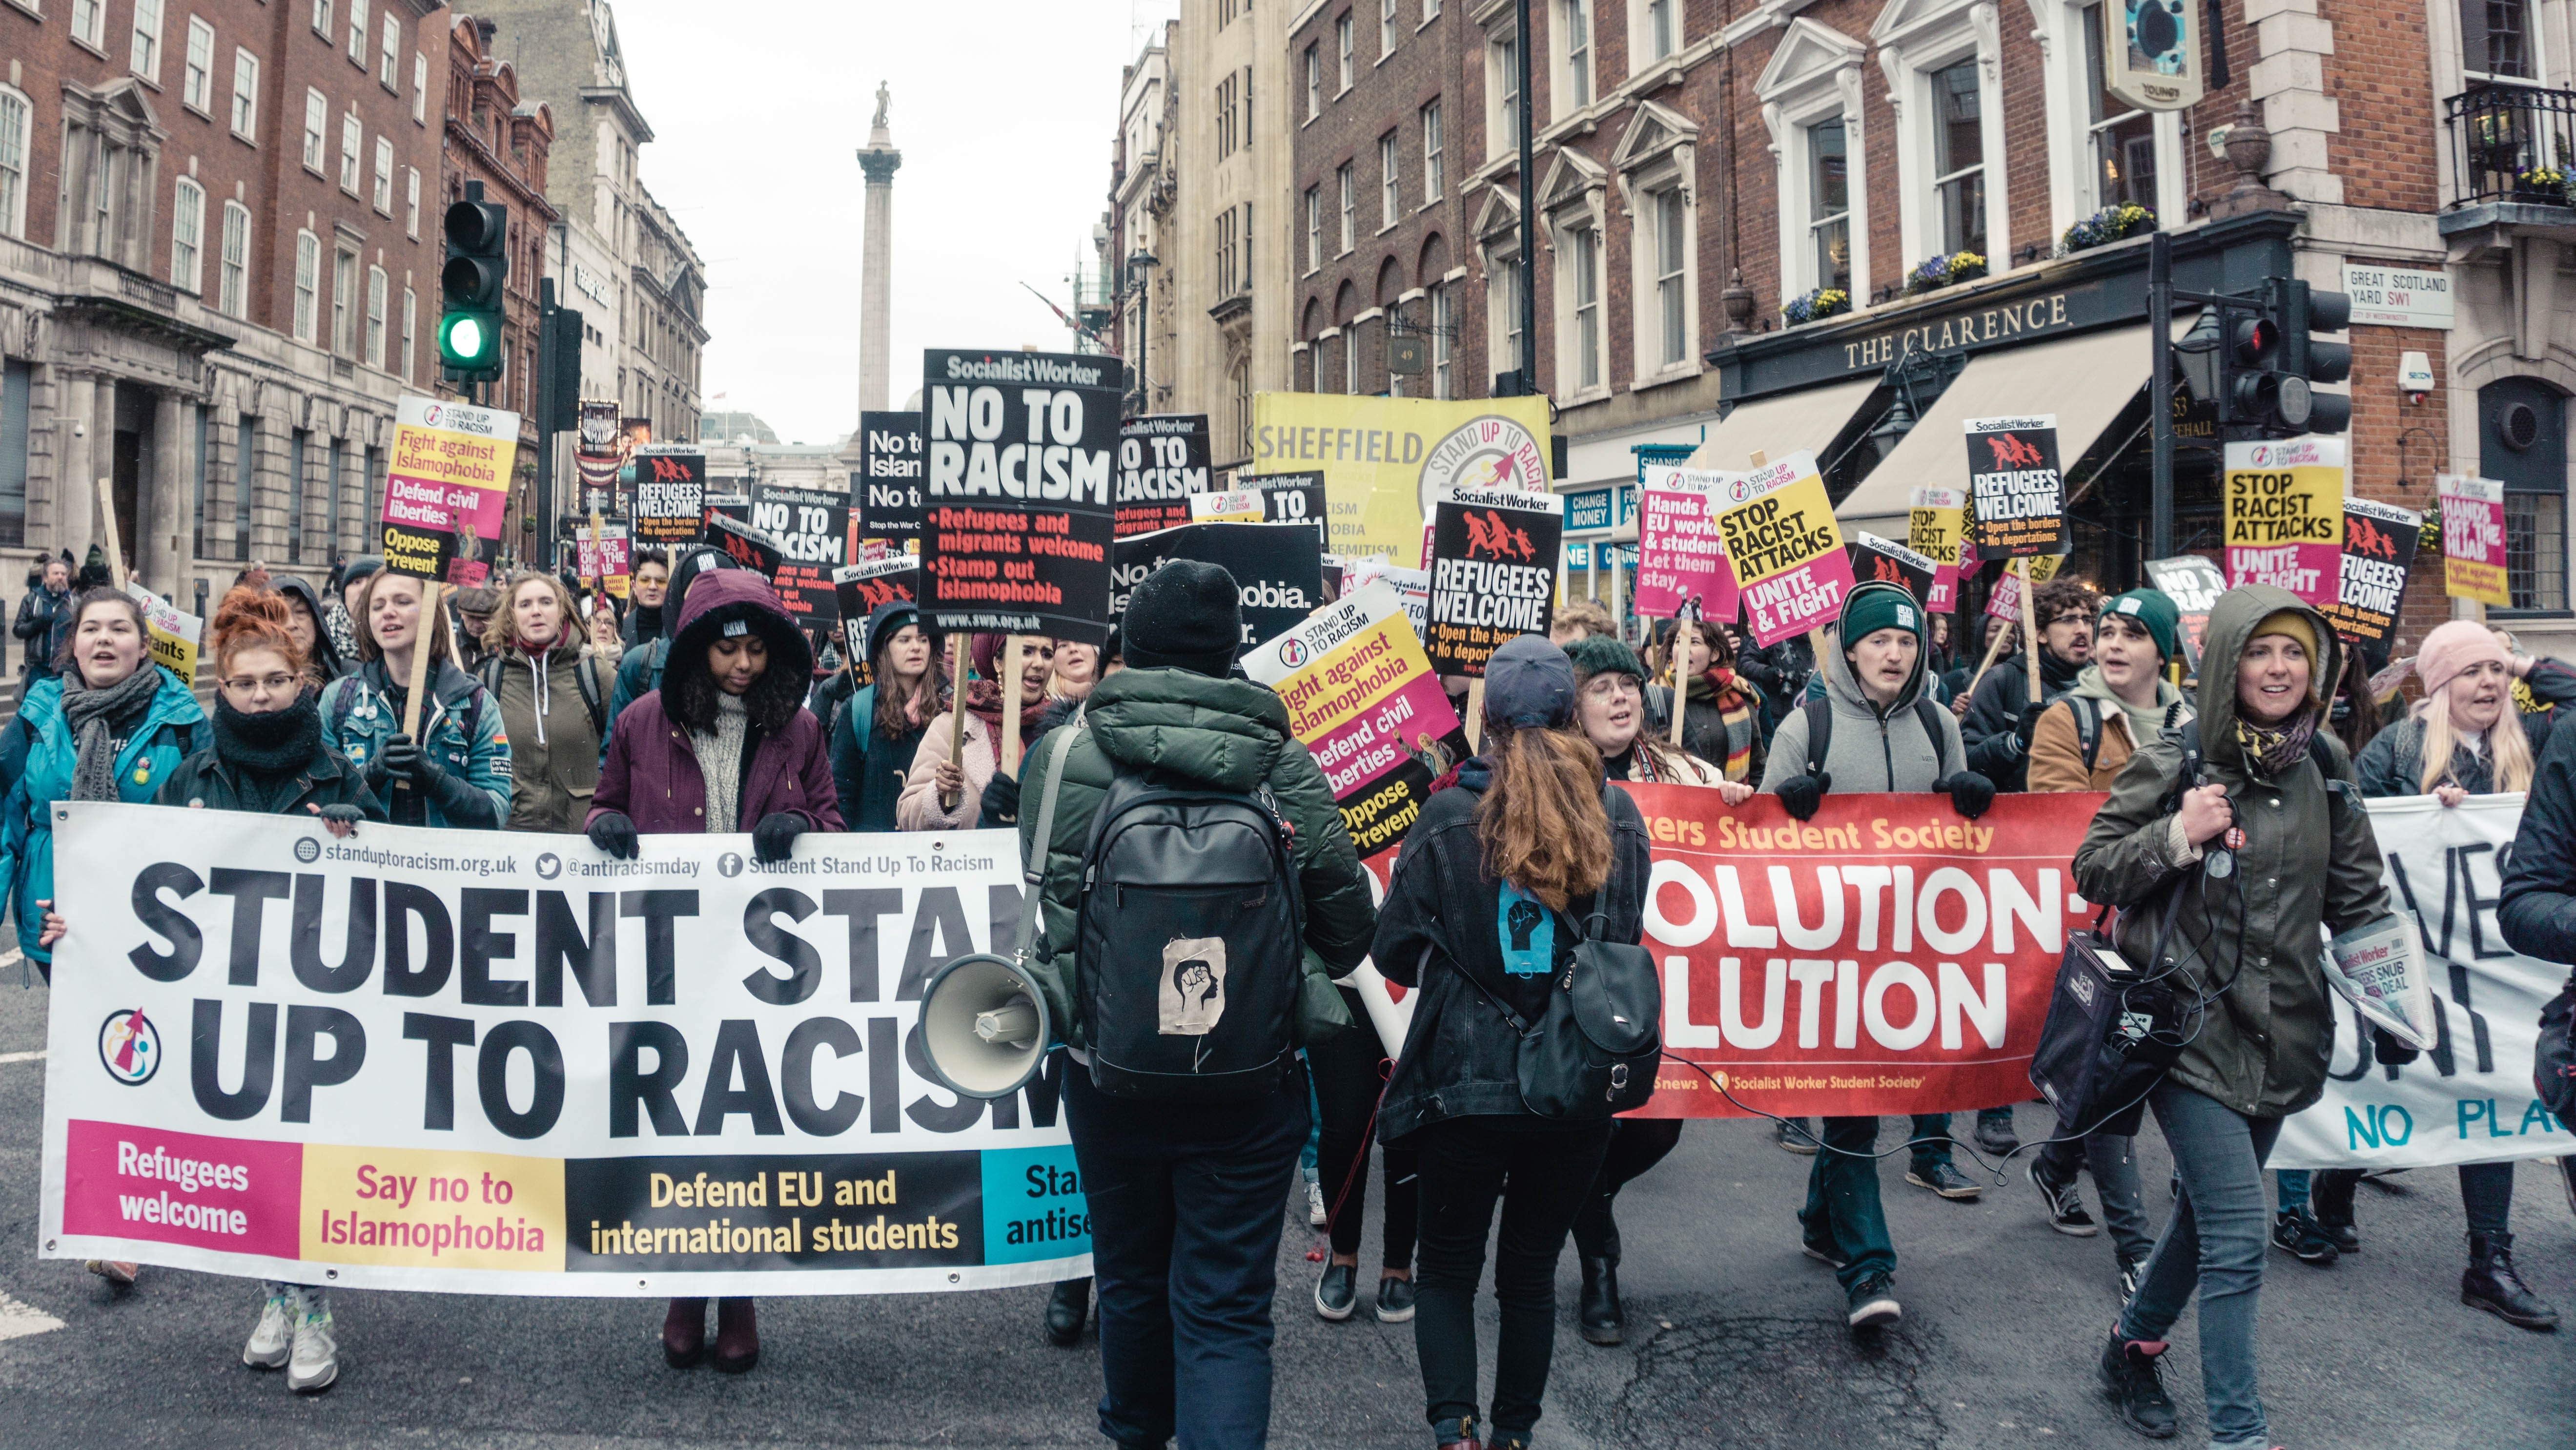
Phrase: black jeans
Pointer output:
(1636, 1144)
(1185, 1221)
(1347, 1084)
(1542, 1175)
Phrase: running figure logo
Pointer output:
(1495, 539)
(129, 1046)
(2011, 452)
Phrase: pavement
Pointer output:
(1735, 1339)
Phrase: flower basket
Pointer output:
(2102, 228)
(1816, 306)
(1944, 271)
(2545, 185)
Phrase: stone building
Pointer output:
(494, 137)
(215, 275)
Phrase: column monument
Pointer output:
(876, 277)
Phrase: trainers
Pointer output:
(2064, 1204)
(1944, 1178)
(2133, 1272)
(315, 1362)
(1794, 1135)
(1316, 1214)
(1873, 1303)
(1394, 1300)
(1995, 1131)
(1338, 1292)
(274, 1337)
(2298, 1234)
(2130, 1380)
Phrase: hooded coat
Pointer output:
(554, 743)
(1872, 749)
(870, 763)
(2248, 939)
(639, 671)
(329, 661)
(651, 775)
(37, 758)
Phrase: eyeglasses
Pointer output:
(245, 684)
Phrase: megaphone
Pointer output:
(984, 1026)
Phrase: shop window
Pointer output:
(2522, 443)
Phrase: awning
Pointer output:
(1782, 424)
(2085, 381)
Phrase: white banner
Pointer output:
(2468, 1099)
(508, 1064)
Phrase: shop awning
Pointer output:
(2085, 381)
(1782, 424)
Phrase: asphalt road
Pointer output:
(1735, 1339)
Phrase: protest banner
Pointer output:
(1234, 506)
(1681, 555)
(670, 493)
(602, 551)
(1934, 528)
(1887, 561)
(750, 547)
(2284, 515)
(1294, 498)
(1162, 460)
(1494, 554)
(171, 634)
(1785, 548)
(812, 527)
(1412, 587)
(1361, 694)
(1278, 572)
(2378, 551)
(726, 1096)
(446, 483)
(1384, 460)
(2469, 1098)
(1019, 453)
(2194, 584)
(1885, 957)
(863, 588)
(2014, 487)
(2473, 561)
(887, 486)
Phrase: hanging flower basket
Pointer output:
(1816, 306)
(1944, 271)
(2110, 224)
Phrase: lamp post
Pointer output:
(1140, 277)
(1528, 361)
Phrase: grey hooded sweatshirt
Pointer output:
(1872, 749)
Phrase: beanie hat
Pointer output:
(2294, 624)
(1529, 683)
(1871, 609)
(696, 561)
(1601, 654)
(2154, 611)
(361, 568)
(2453, 648)
(1185, 615)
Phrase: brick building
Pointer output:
(213, 269)
(501, 141)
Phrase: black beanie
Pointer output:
(1185, 615)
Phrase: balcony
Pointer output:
(2512, 148)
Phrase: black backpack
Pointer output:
(1188, 949)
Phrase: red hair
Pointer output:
(250, 619)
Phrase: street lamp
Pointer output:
(1140, 275)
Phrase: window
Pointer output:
(1434, 179)
(308, 283)
(2522, 443)
(1663, 28)
(1350, 204)
(17, 384)
(1390, 199)
(344, 303)
(1672, 253)
(1430, 11)
(1351, 359)
(146, 60)
(1239, 385)
(1958, 157)
(353, 134)
(89, 23)
(204, 466)
(389, 53)
(1587, 308)
(15, 120)
(1577, 21)
(245, 459)
(2495, 39)
(188, 236)
(322, 18)
(245, 93)
(1444, 351)
(385, 175)
(1507, 287)
(1314, 83)
(420, 90)
(411, 316)
(1829, 204)
(1507, 68)
(1243, 104)
(376, 318)
(1225, 115)
(197, 84)
(1226, 274)
(358, 32)
(411, 204)
(2122, 141)
(232, 275)
(317, 116)
(1386, 29)
(297, 441)
(1314, 228)
(1342, 45)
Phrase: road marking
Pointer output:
(17, 1320)
(36, 1056)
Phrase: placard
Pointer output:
(599, 450)
(670, 493)
(1935, 527)
(812, 529)
(446, 482)
(1493, 572)
(1234, 506)
(1162, 460)
(2015, 488)
(1681, 552)
(1278, 572)
(2473, 559)
(609, 560)
(2284, 515)
(1386, 459)
(888, 484)
(863, 588)
(1887, 561)
(2378, 552)
(1785, 548)
(171, 633)
(2193, 584)
(747, 546)
(1020, 447)
(1295, 498)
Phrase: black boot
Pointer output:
(1067, 1308)
(2331, 1195)
(1600, 1316)
(2130, 1381)
(2490, 1283)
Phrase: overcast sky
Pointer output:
(1004, 110)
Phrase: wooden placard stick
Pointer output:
(115, 546)
(430, 590)
(956, 715)
(2029, 624)
(1681, 652)
(1994, 651)
(1010, 683)
(1476, 713)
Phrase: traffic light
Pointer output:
(2257, 358)
(478, 262)
(2308, 359)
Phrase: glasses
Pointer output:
(245, 684)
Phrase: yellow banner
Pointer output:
(1932, 523)
(1384, 458)
(427, 1208)
(174, 635)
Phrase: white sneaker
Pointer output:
(274, 1339)
(1316, 1214)
(316, 1361)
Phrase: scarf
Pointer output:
(720, 762)
(268, 753)
(2270, 750)
(984, 702)
(647, 619)
(100, 719)
(1736, 701)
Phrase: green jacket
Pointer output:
(1229, 734)
(2306, 861)
(327, 780)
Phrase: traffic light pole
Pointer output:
(547, 406)
(2160, 305)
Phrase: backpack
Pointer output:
(1820, 729)
(585, 678)
(1188, 948)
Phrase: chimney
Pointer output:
(483, 31)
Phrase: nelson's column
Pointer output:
(876, 278)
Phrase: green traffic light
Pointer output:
(470, 341)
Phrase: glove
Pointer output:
(343, 815)
(613, 833)
(2028, 724)
(2390, 1052)
(403, 759)
(1970, 792)
(1801, 794)
(1001, 803)
(774, 839)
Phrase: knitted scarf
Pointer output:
(99, 719)
(2270, 750)
(720, 762)
(984, 702)
(267, 751)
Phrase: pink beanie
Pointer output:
(2452, 648)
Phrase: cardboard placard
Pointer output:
(1785, 548)
(1935, 527)
(888, 485)
(2015, 487)
(670, 493)
(1681, 552)
(610, 561)
(172, 634)
(1494, 554)
(2378, 552)
(2473, 560)
(749, 547)
(1234, 506)
(1020, 448)
(446, 482)
(1887, 561)
(862, 589)
(1162, 460)
(812, 528)
(1387, 458)
(2284, 513)
(2194, 584)
(1278, 572)
(1294, 498)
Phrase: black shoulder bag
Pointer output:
(1592, 1053)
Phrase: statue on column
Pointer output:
(883, 100)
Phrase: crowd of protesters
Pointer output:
(697, 705)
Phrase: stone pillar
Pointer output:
(161, 516)
(876, 268)
(75, 440)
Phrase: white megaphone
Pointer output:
(984, 1026)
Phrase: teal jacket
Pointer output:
(461, 729)
(36, 760)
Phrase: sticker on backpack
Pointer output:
(1192, 995)
(1526, 931)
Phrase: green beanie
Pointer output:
(2155, 611)
(1600, 654)
(1873, 607)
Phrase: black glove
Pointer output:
(2390, 1052)
(774, 839)
(1001, 803)
(342, 815)
(615, 834)
(2028, 724)
(1801, 794)
(1968, 791)
(403, 759)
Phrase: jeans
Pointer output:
(1347, 1084)
(1636, 1145)
(1931, 1139)
(1542, 1176)
(2486, 1193)
(2114, 1165)
(2214, 1242)
(1186, 1212)
(1843, 1214)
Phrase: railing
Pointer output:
(2511, 144)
